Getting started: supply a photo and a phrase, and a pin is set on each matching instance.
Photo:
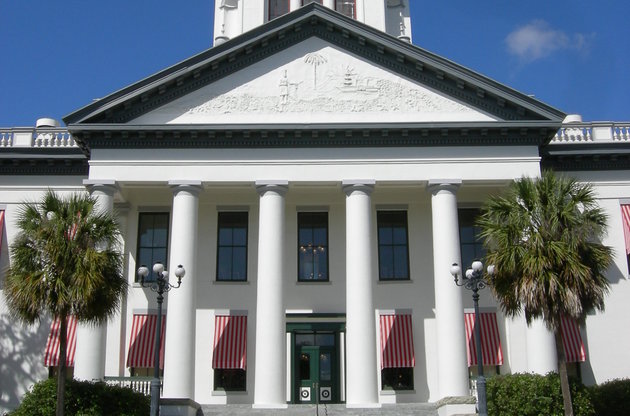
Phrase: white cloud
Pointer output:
(537, 40)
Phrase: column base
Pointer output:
(269, 406)
(463, 405)
(179, 407)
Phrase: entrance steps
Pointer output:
(401, 409)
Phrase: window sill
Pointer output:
(230, 282)
(313, 282)
(396, 392)
(394, 281)
(229, 393)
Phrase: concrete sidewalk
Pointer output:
(415, 409)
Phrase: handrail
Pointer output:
(137, 384)
(43, 137)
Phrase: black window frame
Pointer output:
(306, 220)
(230, 219)
(385, 219)
(403, 374)
(140, 260)
(469, 237)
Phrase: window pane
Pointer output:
(304, 339)
(229, 379)
(152, 240)
(345, 7)
(278, 8)
(239, 263)
(305, 260)
(386, 262)
(400, 235)
(145, 234)
(400, 378)
(325, 340)
(320, 267)
(305, 366)
(400, 262)
(320, 237)
(225, 236)
(239, 236)
(385, 235)
(160, 230)
(325, 366)
(305, 236)
(224, 265)
(312, 246)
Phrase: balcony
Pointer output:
(46, 138)
(592, 133)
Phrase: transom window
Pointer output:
(277, 8)
(393, 251)
(312, 246)
(232, 246)
(346, 7)
(470, 242)
(152, 240)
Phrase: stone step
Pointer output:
(401, 409)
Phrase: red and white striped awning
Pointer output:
(396, 341)
(51, 355)
(572, 341)
(141, 352)
(491, 352)
(625, 216)
(230, 342)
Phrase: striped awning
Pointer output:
(572, 341)
(396, 341)
(51, 355)
(141, 352)
(625, 216)
(230, 342)
(491, 352)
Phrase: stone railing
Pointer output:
(44, 137)
(138, 384)
(595, 132)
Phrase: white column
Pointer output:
(449, 310)
(330, 4)
(179, 349)
(361, 364)
(270, 367)
(295, 4)
(541, 349)
(89, 362)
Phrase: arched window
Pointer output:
(346, 7)
(277, 8)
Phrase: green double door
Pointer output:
(316, 374)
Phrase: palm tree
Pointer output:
(544, 237)
(65, 261)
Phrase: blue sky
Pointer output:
(57, 56)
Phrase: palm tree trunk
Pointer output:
(61, 373)
(562, 372)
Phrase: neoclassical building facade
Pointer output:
(316, 174)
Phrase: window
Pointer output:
(397, 351)
(393, 253)
(232, 246)
(229, 359)
(346, 7)
(152, 240)
(470, 242)
(312, 246)
(277, 8)
(229, 379)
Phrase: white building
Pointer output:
(317, 175)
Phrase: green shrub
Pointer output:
(83, 398)
(534, 395)
(611, 398)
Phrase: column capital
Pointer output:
(194, 187)
(279, 186)
(108, 186)
(365, 185)
(450, 185)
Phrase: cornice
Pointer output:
(332, 135)
(586, 157)
(44, 166)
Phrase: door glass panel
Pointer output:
(325, 366)
(305, 366)
(325, 340)
(304, 339)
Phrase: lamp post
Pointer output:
(474, 280)
(159, 285)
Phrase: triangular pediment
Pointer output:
(312, 82)
(313, 66)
